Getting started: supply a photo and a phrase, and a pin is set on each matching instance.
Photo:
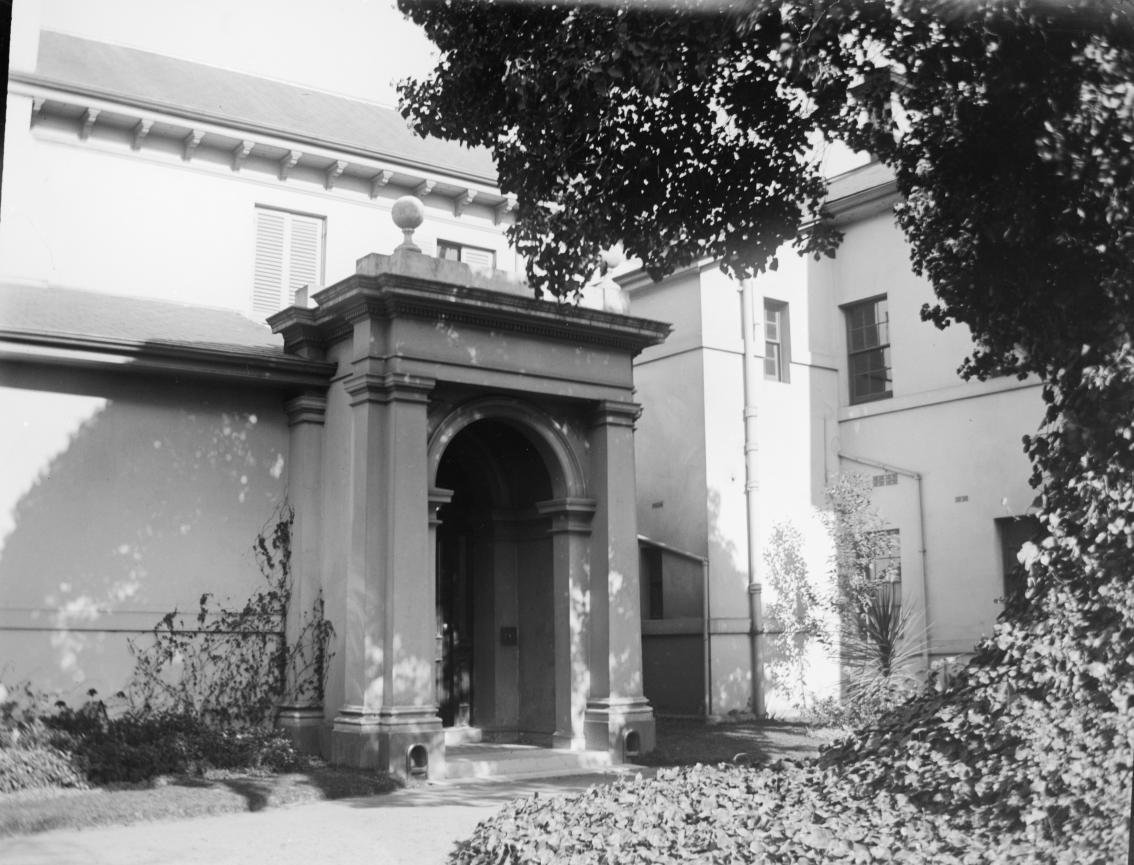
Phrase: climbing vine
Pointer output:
(235, 667)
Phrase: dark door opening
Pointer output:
(494, 576)
(454, 628)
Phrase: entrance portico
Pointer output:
(468, 512)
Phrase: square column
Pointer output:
(301, 713)
(570, 536)
(618, 716)
(389, 721)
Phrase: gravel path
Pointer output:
(415, 826)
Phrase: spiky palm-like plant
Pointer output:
(879, 647)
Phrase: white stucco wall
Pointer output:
(124, 499)
(963, 438)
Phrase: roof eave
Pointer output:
(230, 364)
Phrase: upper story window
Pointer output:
(777, 357)
(289, 255)
(868, 350)
(474, 256)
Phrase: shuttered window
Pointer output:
(473, 256)
(289, 255)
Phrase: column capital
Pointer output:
(363, 387)
(572, 515)
(306, 408)
(438, 498)
(615, 413)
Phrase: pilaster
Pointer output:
(570, 532)
(616, 709)
(390, 718)
(301, 712)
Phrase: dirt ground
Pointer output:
(685, 741)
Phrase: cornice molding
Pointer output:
(31, 84)
(388, 296)
(862, 203)
(150, 119)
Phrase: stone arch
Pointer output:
(563, 466)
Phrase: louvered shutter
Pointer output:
(480, 258)
(271, 230)
(305, 254)
(289, 255)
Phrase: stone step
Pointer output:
(474, 760)
(462, 736)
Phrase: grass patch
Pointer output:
(179, 797)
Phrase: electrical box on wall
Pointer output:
(509, 636)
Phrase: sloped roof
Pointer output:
(194, 90)
(45, 312)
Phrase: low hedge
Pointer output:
(65, 747)
(801, 814)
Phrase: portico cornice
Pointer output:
(394, 295)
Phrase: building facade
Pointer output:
(849, 379)
(458, 455)
(471, 498)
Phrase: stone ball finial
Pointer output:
(408, 213)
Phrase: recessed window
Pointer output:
(886, 569)
(1013, 533)
(777, 359)
(868, 350)
(289, 255)
(473, 256)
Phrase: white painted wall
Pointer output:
(123, 500)
(964, 438)
(99, 216)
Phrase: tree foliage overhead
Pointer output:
(676, 135)
(1009, 124)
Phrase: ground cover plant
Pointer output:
(683, 134)
(200, 708)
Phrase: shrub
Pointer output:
(728, 814)
(138, 747)
(29, 756)
(37, 767)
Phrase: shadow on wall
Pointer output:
(731, 666)
(156, 498)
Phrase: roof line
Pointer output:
(35, 79)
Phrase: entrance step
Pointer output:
(462, 736)
(520, 761)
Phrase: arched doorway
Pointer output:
(494, 582)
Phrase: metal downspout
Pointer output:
(751, 488)
(886, 467)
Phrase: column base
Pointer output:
(622, 725)
(406, 742)
(305, 726)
